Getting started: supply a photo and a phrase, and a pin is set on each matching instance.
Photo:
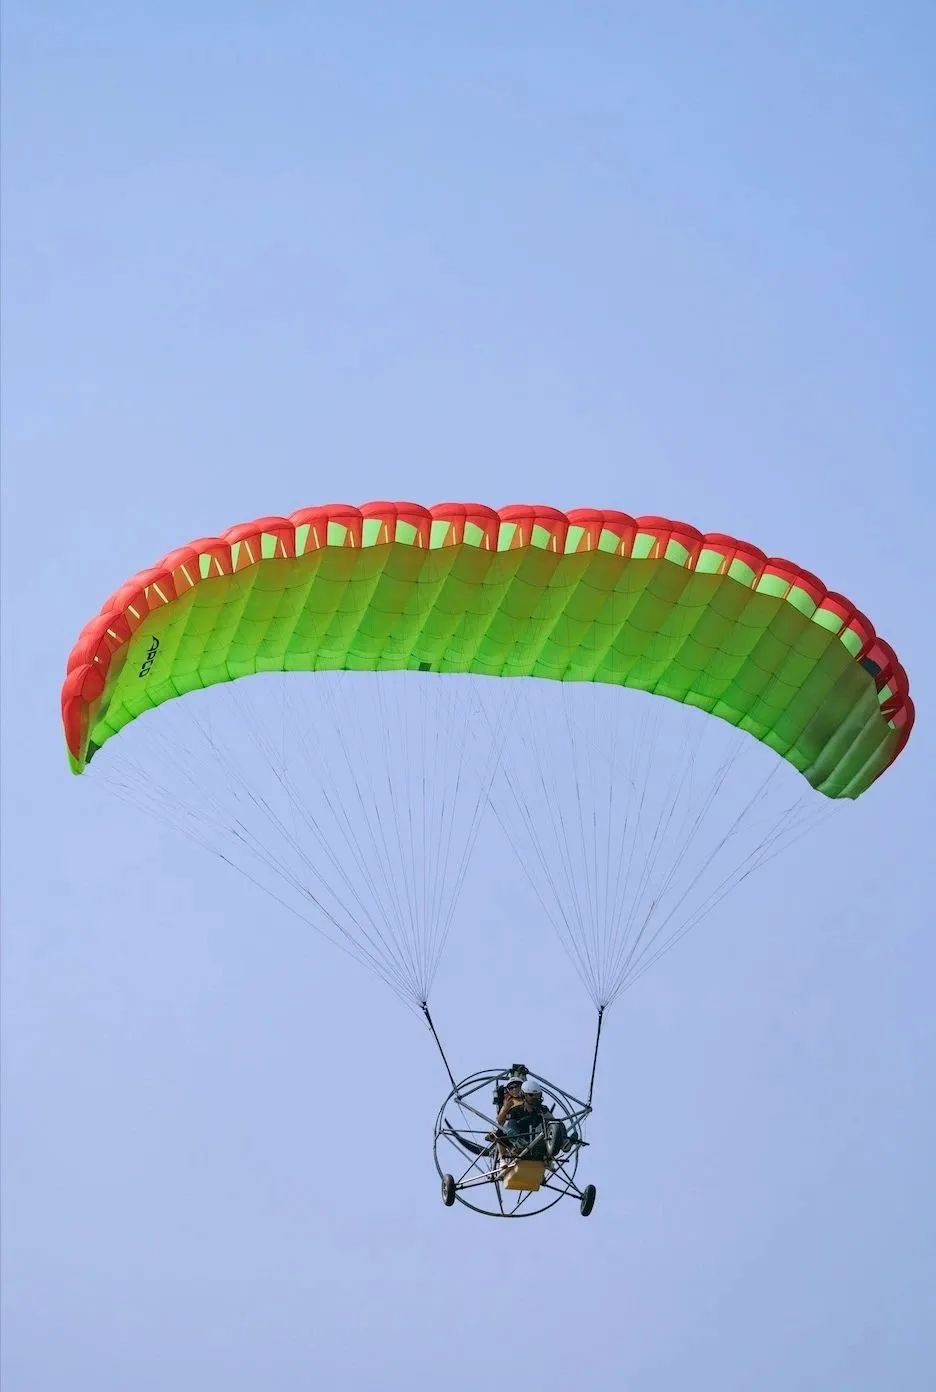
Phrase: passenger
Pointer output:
(512, 1099)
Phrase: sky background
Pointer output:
(673, 258)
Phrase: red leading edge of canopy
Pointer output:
(127, 608)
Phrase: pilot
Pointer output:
(531, 1123)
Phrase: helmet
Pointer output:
(531, 1088)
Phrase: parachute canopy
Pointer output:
(526, 591)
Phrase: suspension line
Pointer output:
(425, 1011)
(591, 1084)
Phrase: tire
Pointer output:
(448, 1190)
(555, 1139)
(588, 1200)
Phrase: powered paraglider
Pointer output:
(349, 779)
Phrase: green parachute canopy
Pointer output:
(588, 596)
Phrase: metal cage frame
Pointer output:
(490, 1155)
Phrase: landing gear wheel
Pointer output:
(448, 1190)
(588, 1200)
(555, 1139)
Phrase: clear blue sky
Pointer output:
(675, 258)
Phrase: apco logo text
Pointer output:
(150, 657)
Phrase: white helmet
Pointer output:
(532, 1088)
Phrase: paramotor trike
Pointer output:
(507, 1175)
